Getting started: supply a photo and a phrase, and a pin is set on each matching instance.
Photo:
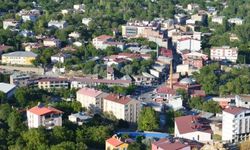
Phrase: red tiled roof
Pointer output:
(104, 37)
(167, 145)
(89, 92)
(166, 90)
(114, 141)
(118, 99)
(235, 110)
(44, 110)
(190, 123)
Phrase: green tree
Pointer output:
(136, 146)
(148, 120)
(5, 110)
(66, 145)
(14, 121)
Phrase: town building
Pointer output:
(86, 21)
(60, 57)
(122, 107)
(7, 89)
(41, 115)
(224, 53)
(92, 82)
(175, 144)
(218, 19)
(52, 42)
(115, 143)
(235, 124)
(188, 44)
(29, 15)
(242, 101)
(104, 41)
(180, 19)
(194, 59)
(91, 99)
(57, 24)
(10, 23)
(79, 118)
(199, 17)
(19, 58)
(75, 35)
(20, 79)
(53, 83)
(193, 7)
(236, 21)
(79, 7)
(193, 128)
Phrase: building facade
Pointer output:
(235, 124)
(188, 44)
(19, 58)
(122, 107)
(224, 53)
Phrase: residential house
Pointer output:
(60, 57)
(29, 15)
(52, 42)
(235, 124)
(122, 107)
(184, 69)
(199, 17)
(79, 7)
(91, 99)
(19, 58)
(193, 7)
(115, 143)
(188, 44)
(74, 34)
(41, 115)
(86, 21)
(53, 83)
(224, 53)
(218, 19)
(57, 24)
(193, 128)
(242, 101)
(10, 23)
(31, 46)
(79, 118)
(236, 21)
(7, 89)
(104, 41)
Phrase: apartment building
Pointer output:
(20, 79)
(122, 107)
(188, 44)
(91, 99)
(53, 83)
(19, 58)
(235, 124)
(224, 53)
(41, 115)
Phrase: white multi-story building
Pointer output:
(60, 57)
(188, 44)
(242, 101)
(193, 128)
(224, 53)
(235, 124)
(175, 102)
(122, 107)
(57, 24)
(41, 115)
(236, 21)
(218, 19)
(91, 99)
